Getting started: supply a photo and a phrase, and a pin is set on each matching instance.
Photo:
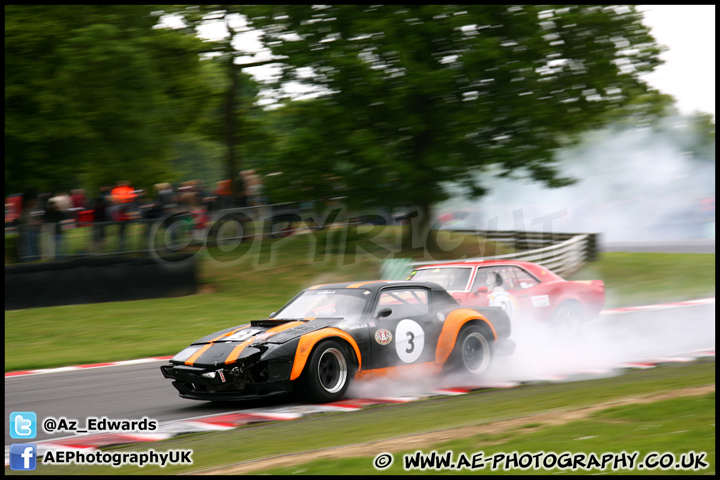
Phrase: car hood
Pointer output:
(261, 339)
(269, 331)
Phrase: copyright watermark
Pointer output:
(244, 233)
(383, 461)
(502, 461)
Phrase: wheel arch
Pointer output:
(309, 341)
(454, 322)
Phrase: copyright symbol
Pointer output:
(49, 425)
(383, 461)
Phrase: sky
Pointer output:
(688, 31)
(689, 72)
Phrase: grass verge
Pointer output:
(676, 426)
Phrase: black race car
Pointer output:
(329, 335)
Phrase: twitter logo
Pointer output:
(23, 425)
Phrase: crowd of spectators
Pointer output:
(114, 207)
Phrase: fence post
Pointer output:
(592, 247)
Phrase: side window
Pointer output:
(480, 278)
(508, 279)
(488, 277)
(524, 279)
(403, 302)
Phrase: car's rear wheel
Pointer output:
(567, 320)
(473, 351)
(328, 372)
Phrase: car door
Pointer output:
(403, 332)
(477, 296)
(527, 290)
(498, 286)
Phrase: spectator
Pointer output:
(29, 230)
(42, 200)
(100, 205)
(62, 201)
(253, 189)
(223, 193)
(53, 214)
(238, 192)
(165, 197)
(13, 209)
(78, 202)
(78, 198)
(123, 196)
(122, 215)
(207, 198)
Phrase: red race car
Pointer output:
(523, 289)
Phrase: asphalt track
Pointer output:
(138, 390)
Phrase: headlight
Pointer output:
(186, 353)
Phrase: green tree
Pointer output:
(412, 97)
(235, 118)
(93, 94)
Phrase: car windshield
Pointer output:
(347, 303)
(452, 279)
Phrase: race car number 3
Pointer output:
(410, 340)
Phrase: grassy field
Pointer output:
(671, 426)
(677, 426)
(253, 280)
(647, 278)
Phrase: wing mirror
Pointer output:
(480, 290)
(385, 312)
(272, 315)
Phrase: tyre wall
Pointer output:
(95, 280)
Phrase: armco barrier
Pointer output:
(563, 253)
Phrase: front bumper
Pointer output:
(232, 382)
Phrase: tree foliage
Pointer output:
(93, 95)
(411, 97)
(235, 118)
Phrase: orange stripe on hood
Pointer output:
(197, 354)
(235, 353)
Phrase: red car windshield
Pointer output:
(452, 279)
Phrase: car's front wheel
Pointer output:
(328, 373)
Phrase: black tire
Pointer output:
(567, 320)
(473, 352)
(328, 373)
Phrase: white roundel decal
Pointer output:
(243, 334)
(409, 340)
(505, 301)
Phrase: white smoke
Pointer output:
(633, 185)
(605, 346)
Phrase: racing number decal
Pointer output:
(505, 301)
(409, 340)
(243, 334)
